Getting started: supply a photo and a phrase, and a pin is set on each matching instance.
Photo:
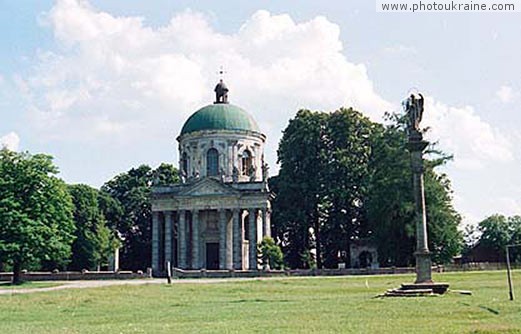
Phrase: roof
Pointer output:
(220, 116)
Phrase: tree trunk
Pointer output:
(17, 273)
(318, 241)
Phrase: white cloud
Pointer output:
(116, 76)
(460, 131)
(10, 141)
(505, 94)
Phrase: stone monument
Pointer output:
(416, 145)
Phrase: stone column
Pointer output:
(252, 221)
(168, 237)
(416, 146)
(229, 243)
(181, 242)
(155, 242)
(195, 240)
(266, 222)
(222, 239)
(237, 240)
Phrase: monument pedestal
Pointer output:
(423, 267)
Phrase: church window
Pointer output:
(212, 162)
(246, 162)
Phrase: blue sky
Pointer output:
(106, 85)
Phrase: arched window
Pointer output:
(246, 162)
(212, 162)
(184, 163)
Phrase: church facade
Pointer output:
(215, 217)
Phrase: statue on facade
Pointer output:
(183, 176)
(414, 110)
(265, 172)
(235, 174)
(222, 175)
(251, 172)
(196, 173)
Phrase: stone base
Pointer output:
(423, 267)
(418, 290)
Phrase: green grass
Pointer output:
(27, 285)
(293, 305)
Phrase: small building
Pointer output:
(215, 217)
(363, 254)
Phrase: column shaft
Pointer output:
(229, 243)
(195, 240)
(168, 237)
(237, 240)
(252, 216)
(182, 239)
(222, 239)
(155, 242)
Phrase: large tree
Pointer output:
(95, 240)
(390, 201)
(35, 212)
(132, 189)
(345, 178)
(497, 231)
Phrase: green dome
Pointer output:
(220, 116)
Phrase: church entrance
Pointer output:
(212, 256)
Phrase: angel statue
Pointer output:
(414, 109)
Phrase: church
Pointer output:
(218, 213)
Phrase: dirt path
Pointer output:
(102, 283)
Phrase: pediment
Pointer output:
(208, 186)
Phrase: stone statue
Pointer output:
(222, 174)
(156, 180)
(183, 176)
(414, 109)
(196, 173)
(235, 174)
(221, 92)
(265, 172)
(251, 173)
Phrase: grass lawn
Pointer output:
(292, 305)
(27, 285)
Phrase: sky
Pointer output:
(104, 86)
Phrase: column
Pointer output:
(182, 239)
(423, 261)
(229, 243)
(222, 239)
(195, 240)
(252, 219)
(237, 240)
(266, 222)
(155, 242)
(168, 237)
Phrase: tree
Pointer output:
(95, 240)
(498, 231)
(390, 201)
(298, 187)
(345, 178)
(132, 190)
(270, 254)
(35, 212)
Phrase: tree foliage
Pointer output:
(36, 222)
(95, 239)
(270, 254)
(345, 178)
(498, 231)
(132, 189)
